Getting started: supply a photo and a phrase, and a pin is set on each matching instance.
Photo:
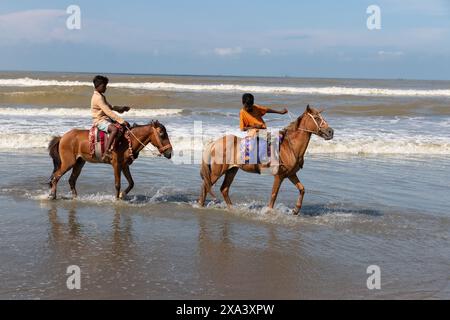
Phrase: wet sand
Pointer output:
(159, 245)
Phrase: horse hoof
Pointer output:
(295, 212)
(121, 196)
(52, 197)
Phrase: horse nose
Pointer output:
(327, 133)
(330, 132)
(168, 154)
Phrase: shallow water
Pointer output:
(375, 195)
(159, 244)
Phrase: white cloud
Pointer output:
(265, 52)
(224, 52)
(35, 26)
(49, 26)
(390, 53)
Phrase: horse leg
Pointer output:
(294, 179)
(276, 187)
(203, 194)
(127, 173)
(74, 176)
(225, 188)
(117, 173)
(66, 165)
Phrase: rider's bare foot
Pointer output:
(107, 156)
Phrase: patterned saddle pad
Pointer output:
(260, 150)
(97, 142)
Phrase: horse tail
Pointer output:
(53, 151)
(205, 169)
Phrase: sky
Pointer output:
(321, 38)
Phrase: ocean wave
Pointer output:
(82, 112)
(179, 87)
(349, 145)
(403, 146)
(18, 141)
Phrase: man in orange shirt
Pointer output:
(251, 115)
(251, 120)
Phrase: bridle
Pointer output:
(159, 145)
(161, 148)
(319, 126)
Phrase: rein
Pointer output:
(319, 126)
(160, 147)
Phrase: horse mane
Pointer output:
(151, 123)
(135, 125)
(294, 124)
(158, 124)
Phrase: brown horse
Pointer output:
(291, 157)
(71, 151)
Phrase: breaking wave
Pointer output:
(167, 86)
(83, 112)
(348, 145)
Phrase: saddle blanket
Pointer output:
(260, 149)
(97, 142)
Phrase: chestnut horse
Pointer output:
(291, 157)
(71, 151)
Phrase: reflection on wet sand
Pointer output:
(104, 256)
(72, 236)
(174, 251)
(258, 263)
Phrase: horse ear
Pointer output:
(308, 108)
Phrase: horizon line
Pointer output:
(223, 75)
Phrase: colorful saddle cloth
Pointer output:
(260, 149)
(97, 142)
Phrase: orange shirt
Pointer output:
(253, 118)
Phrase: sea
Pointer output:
(377, 195)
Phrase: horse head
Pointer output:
(313, 121)
(160, 139)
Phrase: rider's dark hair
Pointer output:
(248, 100)
(99, 80)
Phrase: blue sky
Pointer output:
(320, 38)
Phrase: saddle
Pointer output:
(262, 149)
(98, 141)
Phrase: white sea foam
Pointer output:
(17, 141)
(82, 112)
(345, 145)
(167, 86)
(381, 145)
